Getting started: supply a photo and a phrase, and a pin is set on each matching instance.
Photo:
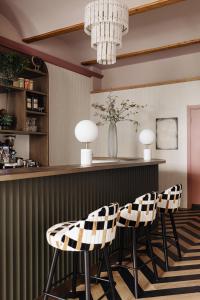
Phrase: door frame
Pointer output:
(189, 167)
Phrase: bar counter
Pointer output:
(32, 200)
(25, 173)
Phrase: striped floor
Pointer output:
(180, 283)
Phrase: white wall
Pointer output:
(162, 101)
(69, 103)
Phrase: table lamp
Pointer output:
(146, 138)
(86, 132)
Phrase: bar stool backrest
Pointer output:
(170, 199)
(96, 231)
(141, 212)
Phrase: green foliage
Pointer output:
(114, 112)
(11, 65)
(7, 121)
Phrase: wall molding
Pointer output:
(80, 26)
(149, 51)
(138, 86)
(48, 58)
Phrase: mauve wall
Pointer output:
(57, 48)
(172, 24)
(33, 21)
(162, 102)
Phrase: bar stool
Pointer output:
(169, 202)
(140, 213)
(97, 231)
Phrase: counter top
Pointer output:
(98, 165)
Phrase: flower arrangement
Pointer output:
(113, 112)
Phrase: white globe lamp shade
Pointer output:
(146, 137)
(86, 131)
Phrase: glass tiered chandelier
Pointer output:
(106, 21)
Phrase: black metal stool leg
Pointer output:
(164, 237)
(110, 275)
(100, 265)
(75, 272)
(121, 245)
(135, 269)
(175, 235)
(51, 272)
(87, 275)
(151, 253)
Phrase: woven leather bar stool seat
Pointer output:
(97, 231)
(140, 213)
(169, 203)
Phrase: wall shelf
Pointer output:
(33, 112)
(9, 88)
(21, 132)
(35, 92)
(31, 73)
(16, 104)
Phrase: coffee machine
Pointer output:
(8, 158)
(7, 152)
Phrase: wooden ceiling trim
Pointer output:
(148, 51)
(145, 85)
(80, 26)
(48, 58)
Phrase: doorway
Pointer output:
(194, 156)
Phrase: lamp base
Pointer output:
(86, 157)
(147, 154)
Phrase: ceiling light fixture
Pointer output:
(106, 21)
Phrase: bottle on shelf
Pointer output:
(28, 103)
(35, 103)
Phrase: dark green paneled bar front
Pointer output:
(32, 200)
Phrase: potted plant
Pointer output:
(113, 112)
(11, 66)
(7, 121)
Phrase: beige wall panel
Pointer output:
(69, 100)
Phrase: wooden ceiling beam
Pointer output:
(80, 26)
(146, 85)
(148, 51)
(153, 5)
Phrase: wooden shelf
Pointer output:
(17, 105)
(21, 132)
(9, 88)
(33, 112)
(35, 92)
(31, 73)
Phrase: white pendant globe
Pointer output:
(146, 137)
(86, 131)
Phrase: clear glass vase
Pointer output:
(112, 140)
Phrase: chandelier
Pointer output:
(106, 21)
